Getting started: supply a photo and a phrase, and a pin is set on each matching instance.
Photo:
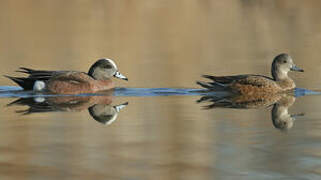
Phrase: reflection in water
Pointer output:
(280, 116)
(281, 103)
(105, 114)
(99, 107)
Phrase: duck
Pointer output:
(250, 84)
(97, 79)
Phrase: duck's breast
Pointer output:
(286, 84)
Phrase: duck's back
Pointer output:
(246, 84)
(253, 84)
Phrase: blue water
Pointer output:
(14, 91)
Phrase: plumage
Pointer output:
(251, 83)
(98, 78)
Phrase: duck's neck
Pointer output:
(280, 75)
(283, 80)
(91, 71)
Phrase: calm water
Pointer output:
(152, 126)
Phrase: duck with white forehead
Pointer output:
(98, 78)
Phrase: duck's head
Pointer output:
(281, 65)
(104, 69)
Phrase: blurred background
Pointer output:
(161, 43)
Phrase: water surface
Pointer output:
(61, 138)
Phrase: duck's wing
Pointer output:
(230, 79)
(34, 75)
(220, 83)
(223, 82)
(225, 79)
(255, 81)
(39, 74)
(74, 77)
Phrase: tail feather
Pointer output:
(204, 84)
(25, 70)
(221, 79)
(208, 76)
(40, 74)
(25, 83)
(212, 86)
(34, 75)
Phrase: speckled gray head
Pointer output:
(282, 64)
(104, 69)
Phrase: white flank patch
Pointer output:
(39, 86)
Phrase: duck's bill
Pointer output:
(120, 76)
(120, 106)
(296, 68)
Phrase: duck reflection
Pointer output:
(99, 107)
(280, 104)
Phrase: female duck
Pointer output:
(98, 78)
(252, 84)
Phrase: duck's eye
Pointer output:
(284, 61)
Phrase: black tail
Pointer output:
(34, 75)
(25, 83)
(25, 70)
(214, 86)
(208, 77)
(204, 84)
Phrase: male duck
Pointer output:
(252, 84)
(98, 78)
